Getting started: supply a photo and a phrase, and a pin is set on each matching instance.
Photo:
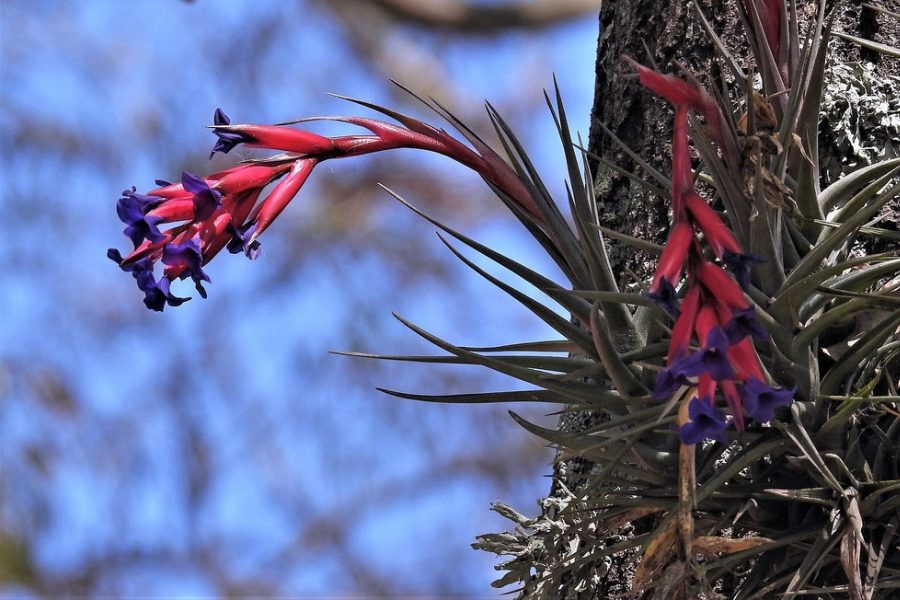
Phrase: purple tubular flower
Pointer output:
(743, 323)
(666, 297)
(707, 422)
(740, 265)
(189, 257)
(713, 359)
(132, 209)
(668, 381)
(760, 400)
(157, 294)
(681, 372)
(206, 199)
(240, 242)
(227, 139)
(136, 268)
(114, 255)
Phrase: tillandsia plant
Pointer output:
(748, 392)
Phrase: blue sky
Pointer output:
(224, 428)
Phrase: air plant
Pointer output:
(750, 393)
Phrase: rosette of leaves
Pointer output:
(806, 505)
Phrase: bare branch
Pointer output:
(466, 17)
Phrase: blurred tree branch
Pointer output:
(459, 16)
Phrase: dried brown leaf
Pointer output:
(660, 552)
(710, 545)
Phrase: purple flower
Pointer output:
(240, 239)
(666, 297)
(227, 139)
(713, 359)
(760, 400)
(132, 209)
(743, 323)
(740, 265)
(206, 199)
(669, 380)
(135, 268)
(188, 257)
(707, 422)
(157, 294)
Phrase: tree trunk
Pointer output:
(668, 30)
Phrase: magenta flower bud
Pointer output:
(675, 90)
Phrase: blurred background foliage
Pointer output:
(218, 449)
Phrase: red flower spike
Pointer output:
(682, 93)
(396, 136)
(215, 234)
(174, 190)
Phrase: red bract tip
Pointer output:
(674, 254)
(684, 326)
(673, 89)
(717, 234)
(770, 17)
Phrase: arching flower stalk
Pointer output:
(184, 225)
